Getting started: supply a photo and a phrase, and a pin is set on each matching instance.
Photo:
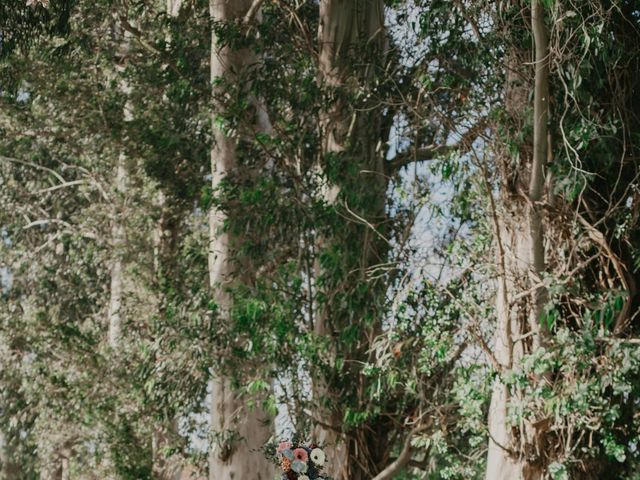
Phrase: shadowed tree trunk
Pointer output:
(9, 467)
(352, 43)
(165, 435)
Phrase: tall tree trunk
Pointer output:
(350, 29)
(165, 468)
(165, 434)
(121, 181)
(516, 452)
(118, 241)
(238, 431)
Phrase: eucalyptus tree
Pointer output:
(351, 146)
(62, 144)
(328, 264)
(238, 430)
(519, 243)
(551, 242)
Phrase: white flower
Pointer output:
(299, 466)
(303, 477)
(317, 457)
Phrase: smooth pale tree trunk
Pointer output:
(516, 454)
(118, 281)
(348, 28)
(118, 234)
(238, 431)
(59, 465)
(118, 241)
(173, 7)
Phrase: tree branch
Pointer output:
(404, 458)
(432, 152)
(253, 11)
(420, 155)
(34, 165)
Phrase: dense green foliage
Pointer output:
(402, 265)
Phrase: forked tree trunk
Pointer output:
(517, 452)
(238, 431)
(348, 29)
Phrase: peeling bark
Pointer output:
(516, 452)
(347, 29)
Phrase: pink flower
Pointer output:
(300, 454)
(283, 446)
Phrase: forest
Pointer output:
(320, 239)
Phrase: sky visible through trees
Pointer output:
(405, 231)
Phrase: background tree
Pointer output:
(385, 208)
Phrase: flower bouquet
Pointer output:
(300, 461)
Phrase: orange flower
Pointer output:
(285, 464)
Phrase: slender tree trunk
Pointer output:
(517, 452)
(118, 234)
(537, 181)
(165, 468)
(350, 29)
(8, 467)
(165, 435)
(238, 431)
(118, 241)
(58, 466)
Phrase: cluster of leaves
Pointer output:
(65, 392)
(408, 331)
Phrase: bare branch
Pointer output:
(253, 11)
(33, 165)
(420, 155)
(434, 151)
(470, 19)
(62, 185)
(599, 239)
(404, 458)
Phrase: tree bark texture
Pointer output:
(238, 431)
(352, 43)
(118, 242)
(517, 451)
